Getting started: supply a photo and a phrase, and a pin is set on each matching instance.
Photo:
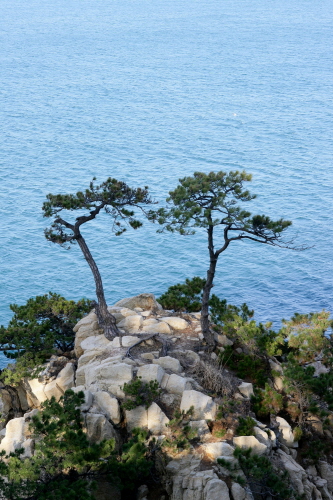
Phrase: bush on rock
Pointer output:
(65, 464)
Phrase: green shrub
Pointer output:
(267, 401)
(224, 314)
(28, 365)
(43, 324)
(301, 383)
(298, 433)
(220, 433)
(316, 450)
(37, 329)
(246, 366)
(245, 426)
(263, 479)
(141, 393)
(65, 465)
(181, 432)
(305, 334)
(184, 297)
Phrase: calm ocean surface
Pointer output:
(150, 91)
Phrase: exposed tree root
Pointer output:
(165, 345)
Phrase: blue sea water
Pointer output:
(148, 92)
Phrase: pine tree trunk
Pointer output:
(105, 319)
(206, 331)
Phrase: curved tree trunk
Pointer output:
(206, 331)
(105, 319)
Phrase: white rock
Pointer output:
(204, 406)
(16, 432)
(87, 356)
(296, 472)
(128, 341)
(80, 376)
(238, 493)
(145, 301)
(121, 312)
(29, 447)
(28, 416)
(223, 340)
(319, 368)
(177, 385)
(116, 341)
(138, 417)
(99, 428)
(109, 376)
(278, 377)
(108, 405)
(88, 397)
(131, 324)
(202, 429)
(246, 389)
(53, 390)
(88, 320)
(147, 356)
(151, 321)
(37, 388)
(216, 489)
(246, 442)
(286, 434)
(262, 436)
(168, 363)
(161, 327)
(95, 343)
(216, 450)
(191, 357)
(151, 372)
(239, 397)
(65, 379)
(176, 323)
(326, 472)
(157, 420)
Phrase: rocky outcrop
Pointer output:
(101, 370)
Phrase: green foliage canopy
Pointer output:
(217, 201)
(65, 465)
(112, 196)
(306, 334)
(184, 296)
(209, 200)
(45, 322)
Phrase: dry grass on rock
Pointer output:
(214, 379)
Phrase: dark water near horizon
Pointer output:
(148, 92)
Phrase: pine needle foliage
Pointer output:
(113, 197)
(65, 465)
(181, 433)
(140, 393)
(38, 329)
(216, 202)
(306, 334)
(184, 296)
(264, 481)
(245, 426)
(44, 323)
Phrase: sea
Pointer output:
(148, 92)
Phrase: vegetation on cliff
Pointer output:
(217, 202)
(116, 199)
(65, 464)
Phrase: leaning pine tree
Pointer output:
(119, 201)
(211, 202)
